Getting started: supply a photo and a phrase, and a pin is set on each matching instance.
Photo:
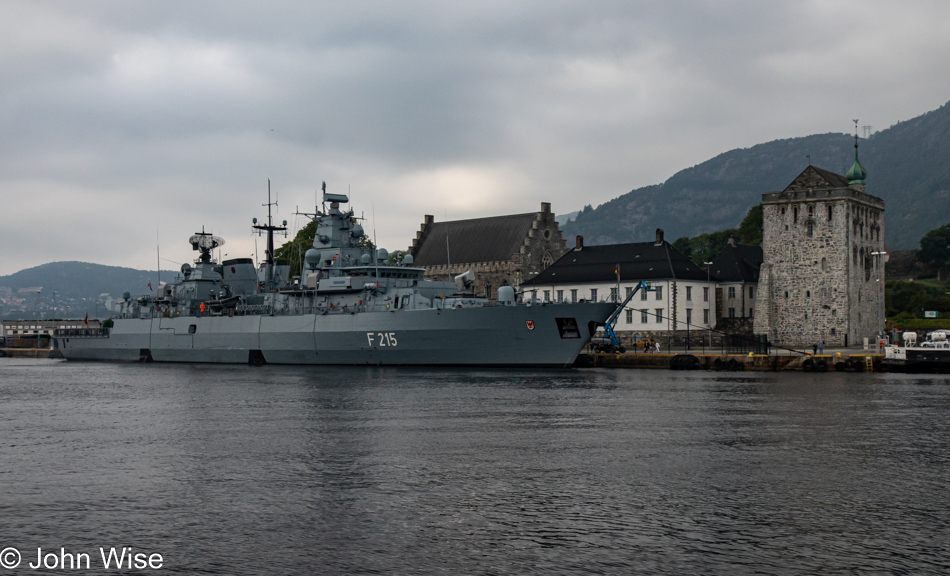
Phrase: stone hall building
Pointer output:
(822, 278)
(500, 250)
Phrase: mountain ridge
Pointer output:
(906, 166)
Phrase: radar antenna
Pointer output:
(205, 242)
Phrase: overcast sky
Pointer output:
(127, 125)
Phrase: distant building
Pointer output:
(682, 304)
(42, 328)
(737, 269)
(823, 273)
(500, 250)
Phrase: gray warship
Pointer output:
(349, 306)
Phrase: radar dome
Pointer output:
(382, 254)
(312, 258)
(407, 260)
(357, 231)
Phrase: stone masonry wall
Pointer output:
(819, 273)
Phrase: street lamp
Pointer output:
(708, 325)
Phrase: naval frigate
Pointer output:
(349, 306)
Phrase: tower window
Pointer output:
(829, 212)
(795, 215)
(810, 227)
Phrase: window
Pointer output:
(560, 295)
(751, 292)
(593, 294)
(547, 295)
(810, 228)
(833, 332)
(732, 291)
(824, 264)
(629, 291)
(644, 316)
(807, 293)
(706, 316)
(829, 212)
(659, 315)
(659, 292)
(573, 294)
(689, 315)
(732, 312)
(795, 215)
(629, 316)
(750, 313)
(786, 293)
(689, 293)
(834, 312)
(643, 295)
(613, 294)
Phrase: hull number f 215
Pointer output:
(381, 338)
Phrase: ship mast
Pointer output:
(270, 229)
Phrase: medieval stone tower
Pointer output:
(823, 272)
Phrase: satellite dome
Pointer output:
(357, 231)
(312, 258)
(407, 260)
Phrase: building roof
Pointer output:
(737, 263)
(493, 239)
(814, 177)
(636, 261)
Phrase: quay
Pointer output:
(835, 361)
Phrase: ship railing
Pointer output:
(79, 332)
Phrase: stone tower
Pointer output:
(823, 272)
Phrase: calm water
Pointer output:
(238, 470)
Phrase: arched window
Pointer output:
(810, 228)
(546, 260)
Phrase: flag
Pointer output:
(150, 285)
(87, 319)
(617, 271)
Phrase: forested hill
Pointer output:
(83, 279)
(906, 163)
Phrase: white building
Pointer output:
(682, 303)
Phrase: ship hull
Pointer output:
(541, 335)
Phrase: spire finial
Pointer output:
(857, 173)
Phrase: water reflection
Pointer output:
(338, 470)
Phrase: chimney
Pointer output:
(579, 243)
(659, 237)
(732, 241)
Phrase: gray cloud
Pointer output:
(123, 121)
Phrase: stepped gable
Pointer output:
(738, 263)
(491, 239)
(637, 261)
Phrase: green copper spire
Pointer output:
(856, 174)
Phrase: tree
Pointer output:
(935, 246)
(750, 231)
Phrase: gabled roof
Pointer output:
(738, 263)
(493, 239)
(813, 177)
(637, 261)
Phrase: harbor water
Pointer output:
(316, 470)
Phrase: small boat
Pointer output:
(931, 355)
